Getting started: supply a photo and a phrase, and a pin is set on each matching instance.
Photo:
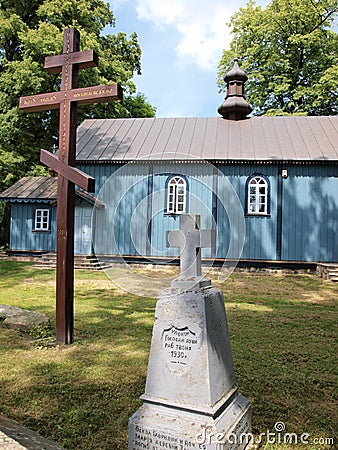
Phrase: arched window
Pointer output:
(177, 193)
(257, 195)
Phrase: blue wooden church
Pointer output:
(268, 185)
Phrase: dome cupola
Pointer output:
(235, 106)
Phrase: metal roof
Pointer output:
(38, 189)
(266, 139)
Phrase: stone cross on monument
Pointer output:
(191, 400)
(190, 239)
(67, 100)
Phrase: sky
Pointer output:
(182, 42)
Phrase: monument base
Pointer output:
(191, 399)
(157, 427)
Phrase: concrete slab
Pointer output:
(14, 436)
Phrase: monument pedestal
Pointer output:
(191, 399)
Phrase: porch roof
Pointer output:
(40, 190)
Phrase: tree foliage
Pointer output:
(289, 51)
(33, 29)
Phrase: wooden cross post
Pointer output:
(67, 100)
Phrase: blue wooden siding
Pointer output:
(260, 231)
(136, 201)
(199, 201)
(22, 236)
(101, 173)
(121, 224)
(310, 214)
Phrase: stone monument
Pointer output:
(191, 398)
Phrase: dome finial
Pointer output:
(235, 107)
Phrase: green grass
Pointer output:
(283, 331)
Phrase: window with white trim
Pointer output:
(177, 193)
(258, 195)
(41, 222)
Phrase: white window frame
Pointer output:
(177, 195)
(41, 219)
(258, 196)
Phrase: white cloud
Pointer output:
(159, 14)
(116, 3)
(201, 26)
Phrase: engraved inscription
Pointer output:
(148, 439)
(179, 345)
(29, 101)
(48, 99)
(65, 105)
(61, 233)
(243, 427)
(91, 92)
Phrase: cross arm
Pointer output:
(83, 96)
(85, 60)
(97, 94)
(175, 238)
(208, 238)
(73, 174)
(41, 102)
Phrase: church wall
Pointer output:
(310, 213)
(301, 223)
(199, 178)
(117, 229)
(22, 236)
(101, 173)
(260, 231)
(134, 220)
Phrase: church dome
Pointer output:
(235, 106)
(236, 73)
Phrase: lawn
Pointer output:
(283, 331)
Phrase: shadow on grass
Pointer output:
(85, 393)
(11, 272)
(79, 413)
(82, 395)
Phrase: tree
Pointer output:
(290, 53)
(33, 29)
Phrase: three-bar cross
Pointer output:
(67, 100)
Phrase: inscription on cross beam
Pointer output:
(67, 100)
(190, 239)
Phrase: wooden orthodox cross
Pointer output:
(67, 100)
